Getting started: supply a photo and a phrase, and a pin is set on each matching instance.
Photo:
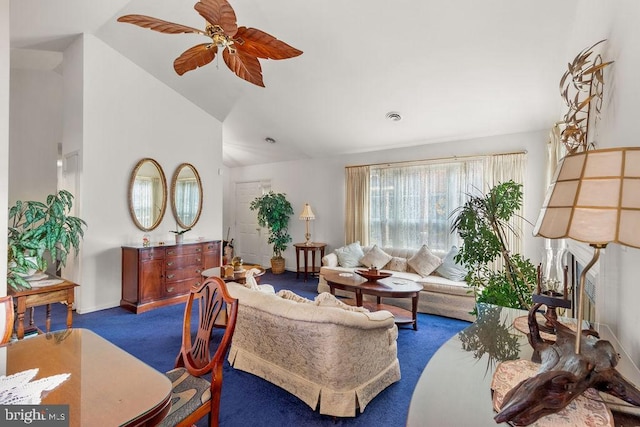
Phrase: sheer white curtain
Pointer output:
(143, 200)
(187, 195)
(410, 204)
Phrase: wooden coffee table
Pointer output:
(385, 288)
(238, 276)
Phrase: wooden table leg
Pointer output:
(70, 299)
(48, 318)
(414, 311)
(313, 262)
(20, 311)
(297, 262)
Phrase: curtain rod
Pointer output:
(406, 162)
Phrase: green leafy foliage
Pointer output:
(490, 335)
(37, 228)
(483, 223)
(274, 211)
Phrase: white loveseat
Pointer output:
(333, 357)
(440, 296)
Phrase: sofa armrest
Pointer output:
(330, 260)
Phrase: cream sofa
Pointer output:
(330, 356)
(439, 296)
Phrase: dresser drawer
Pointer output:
(181, 261)
(180, 287)
(184, 250)
(183, 273)
(151, 253)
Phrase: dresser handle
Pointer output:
(171, 252)
(170, 263)
(198, 249)
(198, 271)
(199, 259)
(171, 276)
(170, 289)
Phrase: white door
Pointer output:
(251, 242)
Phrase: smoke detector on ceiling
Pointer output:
(270, 140)
(393, 116)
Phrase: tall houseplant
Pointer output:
(37, 229)
(274, 211)
(483, 223)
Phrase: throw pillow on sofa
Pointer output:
(376, 257)
(424, 262)
(349, 256)
(450, 269)
(326, 299)
(287, 294)
(396, 264)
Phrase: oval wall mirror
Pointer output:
(147, 194)
(186, 195)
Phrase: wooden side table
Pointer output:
(43, 295)
(312, 247)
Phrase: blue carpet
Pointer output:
(247, 400)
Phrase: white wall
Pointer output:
(111, 113)
(116, 114)
(321, 182)
(35, 131)
(616, 21)
(4, 130)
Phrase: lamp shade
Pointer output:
(307, 213)
(594, 197)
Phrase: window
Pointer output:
(410, 204)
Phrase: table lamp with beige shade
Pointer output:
(594, 198)
(307, 215)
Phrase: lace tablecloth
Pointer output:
(18, 389)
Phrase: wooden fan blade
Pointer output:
(218, 12)
(156, 24)
(245, 66)
(195, 57)
(262, 45)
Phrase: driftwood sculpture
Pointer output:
(564, 375)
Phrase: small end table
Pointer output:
(305, 248)
(43, 295)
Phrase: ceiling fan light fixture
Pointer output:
(393, 116)
(241, 47)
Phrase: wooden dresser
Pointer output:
(155, 276)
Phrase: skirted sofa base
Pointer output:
(335, 360)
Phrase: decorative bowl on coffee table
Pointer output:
(373, 275)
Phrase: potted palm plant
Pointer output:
(274, 211)
(483, 223)
(39, 231)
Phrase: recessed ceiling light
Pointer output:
(393, 116)
(270, 140)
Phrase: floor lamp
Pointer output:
(594, 198)
(307, 215)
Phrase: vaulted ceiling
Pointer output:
(453, 69)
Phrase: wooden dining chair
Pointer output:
(6, 319)
(197, 376)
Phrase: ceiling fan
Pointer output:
(241, 46)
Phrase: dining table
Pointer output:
(106, 387)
